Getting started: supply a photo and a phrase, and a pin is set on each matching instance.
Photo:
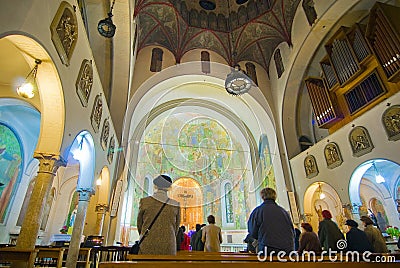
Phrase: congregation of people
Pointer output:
(270, 229)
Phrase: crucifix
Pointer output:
(185, 196)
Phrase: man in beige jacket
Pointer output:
(211, 236)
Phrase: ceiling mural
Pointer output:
(251, 31)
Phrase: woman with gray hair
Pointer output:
(161, 239)
(271, 225)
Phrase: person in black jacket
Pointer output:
(356, 239)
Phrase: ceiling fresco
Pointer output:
(251, 32)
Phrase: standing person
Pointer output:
(196, 236)
(185, 245)
(328, 232)
(297, 234)
(179, 238)
(271, 225)
(161, 239)
(211, 236)
(374, 236)
(309, 240)
(356, 239)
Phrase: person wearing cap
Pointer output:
(328, 232)
(374, 236)
(356, 239)
(161, 239)
(309, 240)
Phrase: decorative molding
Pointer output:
(111, 150)
(64, 31)
(49, 163)
(332, 154)
(391, 122)
(84, 82)
(360, 141)
(97, 112)
(310, 166)
(105, 134)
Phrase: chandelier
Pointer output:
(236, 82)
(106, 27)
(29, 86)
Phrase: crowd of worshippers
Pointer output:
(270, 229)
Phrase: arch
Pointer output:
(187, 191)
(83, 151)
(227, 204)
(104, 187)
(314, 204)
(52, 107)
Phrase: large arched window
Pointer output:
(156, 60)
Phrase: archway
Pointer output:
(373, 190)
(321, 196)
(188, 193)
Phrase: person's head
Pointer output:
(326, 214)
(211, 219)
(351, 223)
(268, 194)
(307, 227)
(183, 228)
(366, 220)
(163, 182)
(198, 227)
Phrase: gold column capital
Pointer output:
(49, 162)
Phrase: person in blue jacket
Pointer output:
(271, 225)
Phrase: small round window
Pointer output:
(207, 5)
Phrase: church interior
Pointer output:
(225, 96)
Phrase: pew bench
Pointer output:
(12, 257)
(241, 264)
(83, 261)
(47, 257)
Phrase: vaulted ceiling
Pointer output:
(251, 32)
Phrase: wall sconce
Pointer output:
(98, 182)
(321, 194)
(378, 176)
(29, 86)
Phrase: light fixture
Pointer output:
(98, 182)
(29, 86)
(321, 194)
(378, 176)
(106, 27)
(236, 82)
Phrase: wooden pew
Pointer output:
(242, 264)
(49, 257)
(84, 259)
(17, 257)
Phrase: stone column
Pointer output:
(74, 245)
(48, 165)
(101, 210)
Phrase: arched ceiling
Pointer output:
(251, 32)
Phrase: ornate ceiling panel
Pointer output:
(251, 33)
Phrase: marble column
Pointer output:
(48, 165)
(77, 231)
(101, 210)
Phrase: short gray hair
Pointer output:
(268, 194)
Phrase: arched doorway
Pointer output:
(373, 191)
(188, 193)
(321, 196)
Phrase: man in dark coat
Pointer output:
(356, 239)
(271, 225)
